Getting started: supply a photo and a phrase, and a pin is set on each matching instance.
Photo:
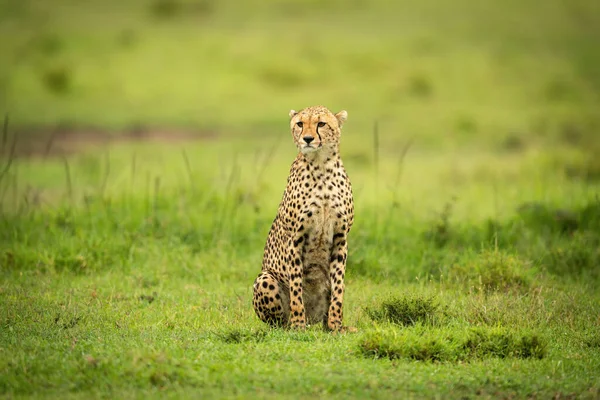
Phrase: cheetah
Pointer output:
(304, 261)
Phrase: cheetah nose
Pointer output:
(308, 139)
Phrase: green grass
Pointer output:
(125, 283)
(474, 262)
(453, 346)
(405, 311)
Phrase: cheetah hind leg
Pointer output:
(271, 300)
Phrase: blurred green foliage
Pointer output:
(443, 71)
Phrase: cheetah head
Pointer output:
(315, 129)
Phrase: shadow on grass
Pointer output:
(240, 335)
(248, 335)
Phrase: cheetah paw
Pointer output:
(345, 329)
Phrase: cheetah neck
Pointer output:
(321, 157)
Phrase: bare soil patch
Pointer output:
(61, 141)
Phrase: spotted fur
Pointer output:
(304, 260)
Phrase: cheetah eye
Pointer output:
(299, 123)
(321, 124)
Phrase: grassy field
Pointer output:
(445, 71)
(472, 144)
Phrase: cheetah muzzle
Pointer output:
(304, 260)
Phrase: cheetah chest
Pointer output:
(324, 212)
(320, 230)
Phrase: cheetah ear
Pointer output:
(341, 117)
(292, 113)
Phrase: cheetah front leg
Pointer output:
(297, 311)
(337, 272)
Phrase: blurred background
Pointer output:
(146, 148)
(499, 75)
